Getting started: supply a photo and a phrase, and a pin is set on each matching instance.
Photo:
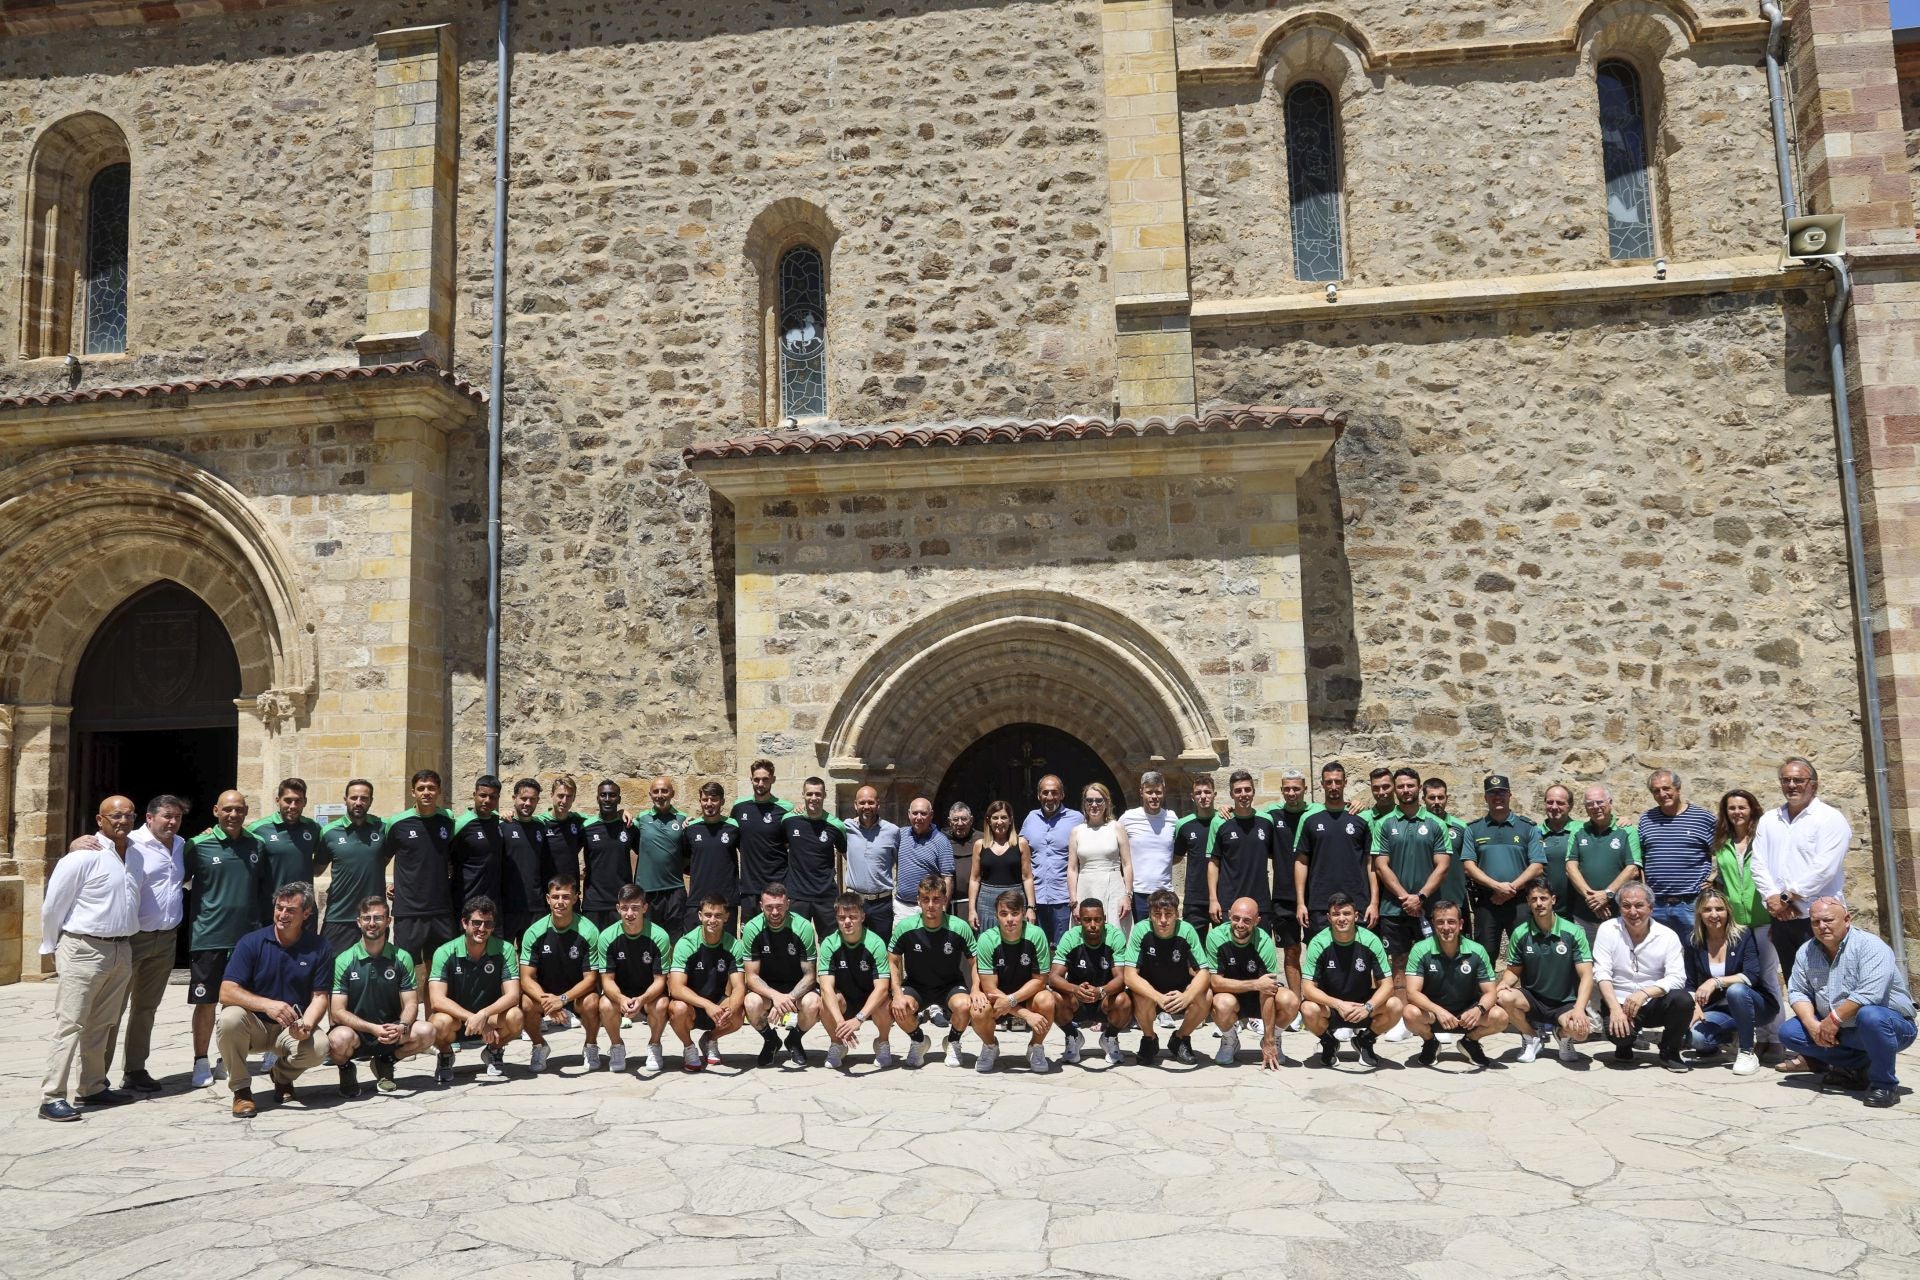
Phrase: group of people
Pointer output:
(1355, 921)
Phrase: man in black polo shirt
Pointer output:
(816, 848)
(1087, 982)
(1244, 980)
(1285, 818)
(473, 990)
(1165, 971)
(561, 830)
(632, 959)
(1347, 984)
(763, 843)
(415, 846)
(273, 995)
(375, 1005)
(931, 957)
(524, 865)
(707, 984)
(557, 974)
(780, 951)
(1240, 861)
(1333, 855)
(608, 846)
(710, 845)
(855, 983)
(477, 849)
(1192, 841)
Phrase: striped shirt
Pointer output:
(1676, 852)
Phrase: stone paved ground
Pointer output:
(1149, 1174)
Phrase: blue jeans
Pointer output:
(1053, 919)
(1139, 911)
(1677, 916)
(1734, 1016)
(1876, 1037)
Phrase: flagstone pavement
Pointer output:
(1143, 1173)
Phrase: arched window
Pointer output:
(1313, 181)
(802, 335)
(105, 301)
(1623, 151)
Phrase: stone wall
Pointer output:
(1214, 28)
(1573, 545)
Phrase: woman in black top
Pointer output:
(1003, 861)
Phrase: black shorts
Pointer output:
(370, 1047)
(1250, 1005)
(344, 935)
(669, 909)
(601, 917)
(421, 936)
(853, 995)
(1087, 1013)
(1399, 933)
(817, 913)
(1286, 926)
(206, 969)
(1541, 1014)
(941, 996)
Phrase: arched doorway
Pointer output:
(153, 707)
(1008, 763)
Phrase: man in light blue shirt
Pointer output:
(873, 852)
(1852, 1009)
(1046, 831)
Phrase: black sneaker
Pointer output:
(1475, 1054)
(769, 1047)
(1835, 1081)
(443, 1069)
(796, 1055)
(1623, 1053)
(383, 1072)
(104, 1098)
(141, 1082)
(1148, 1052)
(1674, 1063)
(1183, 1051)
(1329, 1051)
(1363, 1050)
(1429, 1051)
(349, 1080)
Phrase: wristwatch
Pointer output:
(1368, 1006)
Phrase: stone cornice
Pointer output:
(82, 15)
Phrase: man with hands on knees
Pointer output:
(1450, 987)
(1346, 981)
(273, 994)
(1088, 983)
(707, 984)
(855, 984)
(374, 1004)
(1165, 971)
(1014, 959)
(1247, 983)
(473, 993)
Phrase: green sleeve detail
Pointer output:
(660, 940)
(254, 828)
(404, 963)
(983, 948)
(597, 954)
(1042, 949)
(836, 824)
(534, 933)
(804, 930)
(871, 941)
(1633, 844)
(1210, 949)
(1263, 947)
(961, 927)
(1424, 948)
(751, 933)
(464, 821)
(824, 960)
(512, 957)
(1578, 936)
(1378, 845)
(437, 969)
(783, 805)
(341, 963)
(900, 928)
(1115, 941)
(1316, 945)
(1369, 939)
(401, 816)
(1193, 939)
(590, 933)
(682, 951)
(1131, 955)
(729, 822)
(739, 951)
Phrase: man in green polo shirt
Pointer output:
(290, 839)
(1548, 979)
(1434, 795)
(660, 865)
(1412, 850)
(1503, 856)
(350, 847)
(375, 1004)
(473, 993)
(1450, 987)
(1604, 858)
(1556, 841)
(232, 893)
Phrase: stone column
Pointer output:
(6, 790)
(1146, 197)
(410, 234)
(1853, 145)
(41, 738)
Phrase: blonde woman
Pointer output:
(1099, 863)
(1724, 970)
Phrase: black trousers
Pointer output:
(1788, 936)
(1672, 1012)
(880, 917)
(1493, 921)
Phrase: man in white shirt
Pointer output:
(1149, 827)
(1799, 852)
(157, 856)
(88, 917)
(1641, 972)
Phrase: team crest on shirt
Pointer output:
(1466, 966)
(1560, 948)
(487, 967)
(766, 819)
(1614, 843)
(391, 974)
(199, 990)
(1026, 957)
(946, 945)
(1351, 831)
(726, 838)
(1359, 964)
(1421, 829)
(573, 953)
(792, 950)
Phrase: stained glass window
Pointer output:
(1313, 182)
(105, 300)
(803, 334)
(1623, 149)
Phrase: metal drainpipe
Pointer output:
(1849, 493)
(496, 383)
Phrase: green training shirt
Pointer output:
(290, 848)
(1547, 960)
(785, 954)
(1503, 849)
(1601, 855)
(1450, 981)
(661, 863)
(353, 851)
(1348, 971)
(1410, 845)
(474, 982)
(373, 985)
(1014, 964)
(232, 889)
(1240, 961)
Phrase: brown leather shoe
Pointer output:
(283, 1092)
(243, 1105)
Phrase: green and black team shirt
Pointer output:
(1503, 849)
(1410, 846)
(1555, 846)
(712, 854)
(290, 848)
(855, 967)
(1094, 962)
(608, 848)
(662, 862)
(1191, 840)
(1169, 963)
(1601, 854)
(524, 870)
(932, 960)
(1547, 960)
(1243, 847)
(634, 959)
(1286, 837)
(708, 966)
(1337, 847)
(478, 853)
(474, 982)
(785, 954)
(1240, 961)
(1014, 964)
(373, 985)
(1454, 886)
(353, 851)
(1450, 981)
(1347, 971)
(763, 842)
(559, 957)
(423, 881)
(564, 838)
(232, 889)
(814, 849)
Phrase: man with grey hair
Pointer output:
(1641, 971)
(1852, 1011)
(965, 839)
(1149, 827)
(1603, 858)
(275, 990)
(1799, 852)
(1676, 848)
(924, 852)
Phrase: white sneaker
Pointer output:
(592, 1056)
(1110, 1045)
(493, 1064)
(953, 1053)
(1529, 1048)
(1398, 1033)
(1746, 1062)
(539, 1059)
(882, 1055)
(202, 1073)
(916, 1053)
(1165, 1021)
(654, 1060)
(1569, 1052)
(1296, 1024)
(713, 1051)
(694, 1060)
(1074, 1041)
(1254, 1027)
(617, 1058)
(1037, 1059)
(836, 1054)
(989, 1055)
(1229, 1048)
(268, 1061)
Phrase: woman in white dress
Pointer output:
(1099, 865)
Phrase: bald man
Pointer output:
(88, 919)
(232, 885)
(660, 863)
(1046, 831)
(873, 856)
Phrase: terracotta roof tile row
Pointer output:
(1222, 421)
(257, 382)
